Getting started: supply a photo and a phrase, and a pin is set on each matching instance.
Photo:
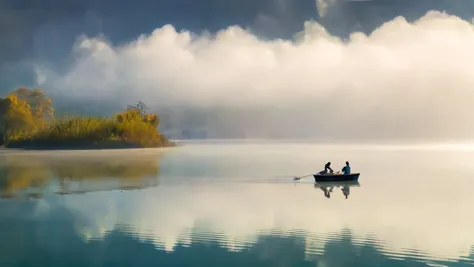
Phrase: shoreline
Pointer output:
(78, 147)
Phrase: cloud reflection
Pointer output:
(236, 214)
(410, 205)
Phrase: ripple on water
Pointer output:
(244, 204)
(315, 244)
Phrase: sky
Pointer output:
(384, 69)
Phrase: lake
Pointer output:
(236, 204)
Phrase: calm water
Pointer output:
(235, 204)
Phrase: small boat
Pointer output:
(335, 177)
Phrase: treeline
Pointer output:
(27, 121)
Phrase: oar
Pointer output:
(299, 178)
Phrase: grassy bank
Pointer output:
(27, 121)
(92, 133)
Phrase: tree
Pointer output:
(137, 112)
(41, 105)
(15, 117)
(140, 107)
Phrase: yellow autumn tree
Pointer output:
(16, 118)
(24, 122)
(41, 105)
(138, 112)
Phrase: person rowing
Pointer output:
(326, 168)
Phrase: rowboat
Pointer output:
(335, 177)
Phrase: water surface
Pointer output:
(235, 204)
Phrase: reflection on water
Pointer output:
(33, 174)
(410, 216)
(345, 187)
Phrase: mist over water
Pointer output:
(393, 100)
(215, 198)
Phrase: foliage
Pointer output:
(95, 132)
(137, 115)
(15, 118)
(26, 120)
(140, 107)
(41, 105)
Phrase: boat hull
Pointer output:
(336, 177)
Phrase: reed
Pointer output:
(94, 132)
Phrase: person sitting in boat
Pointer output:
(326, 168)
(346, 169)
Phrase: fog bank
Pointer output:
(403, 80)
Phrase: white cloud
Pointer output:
(412, 77)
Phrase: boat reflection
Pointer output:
(328, 187)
